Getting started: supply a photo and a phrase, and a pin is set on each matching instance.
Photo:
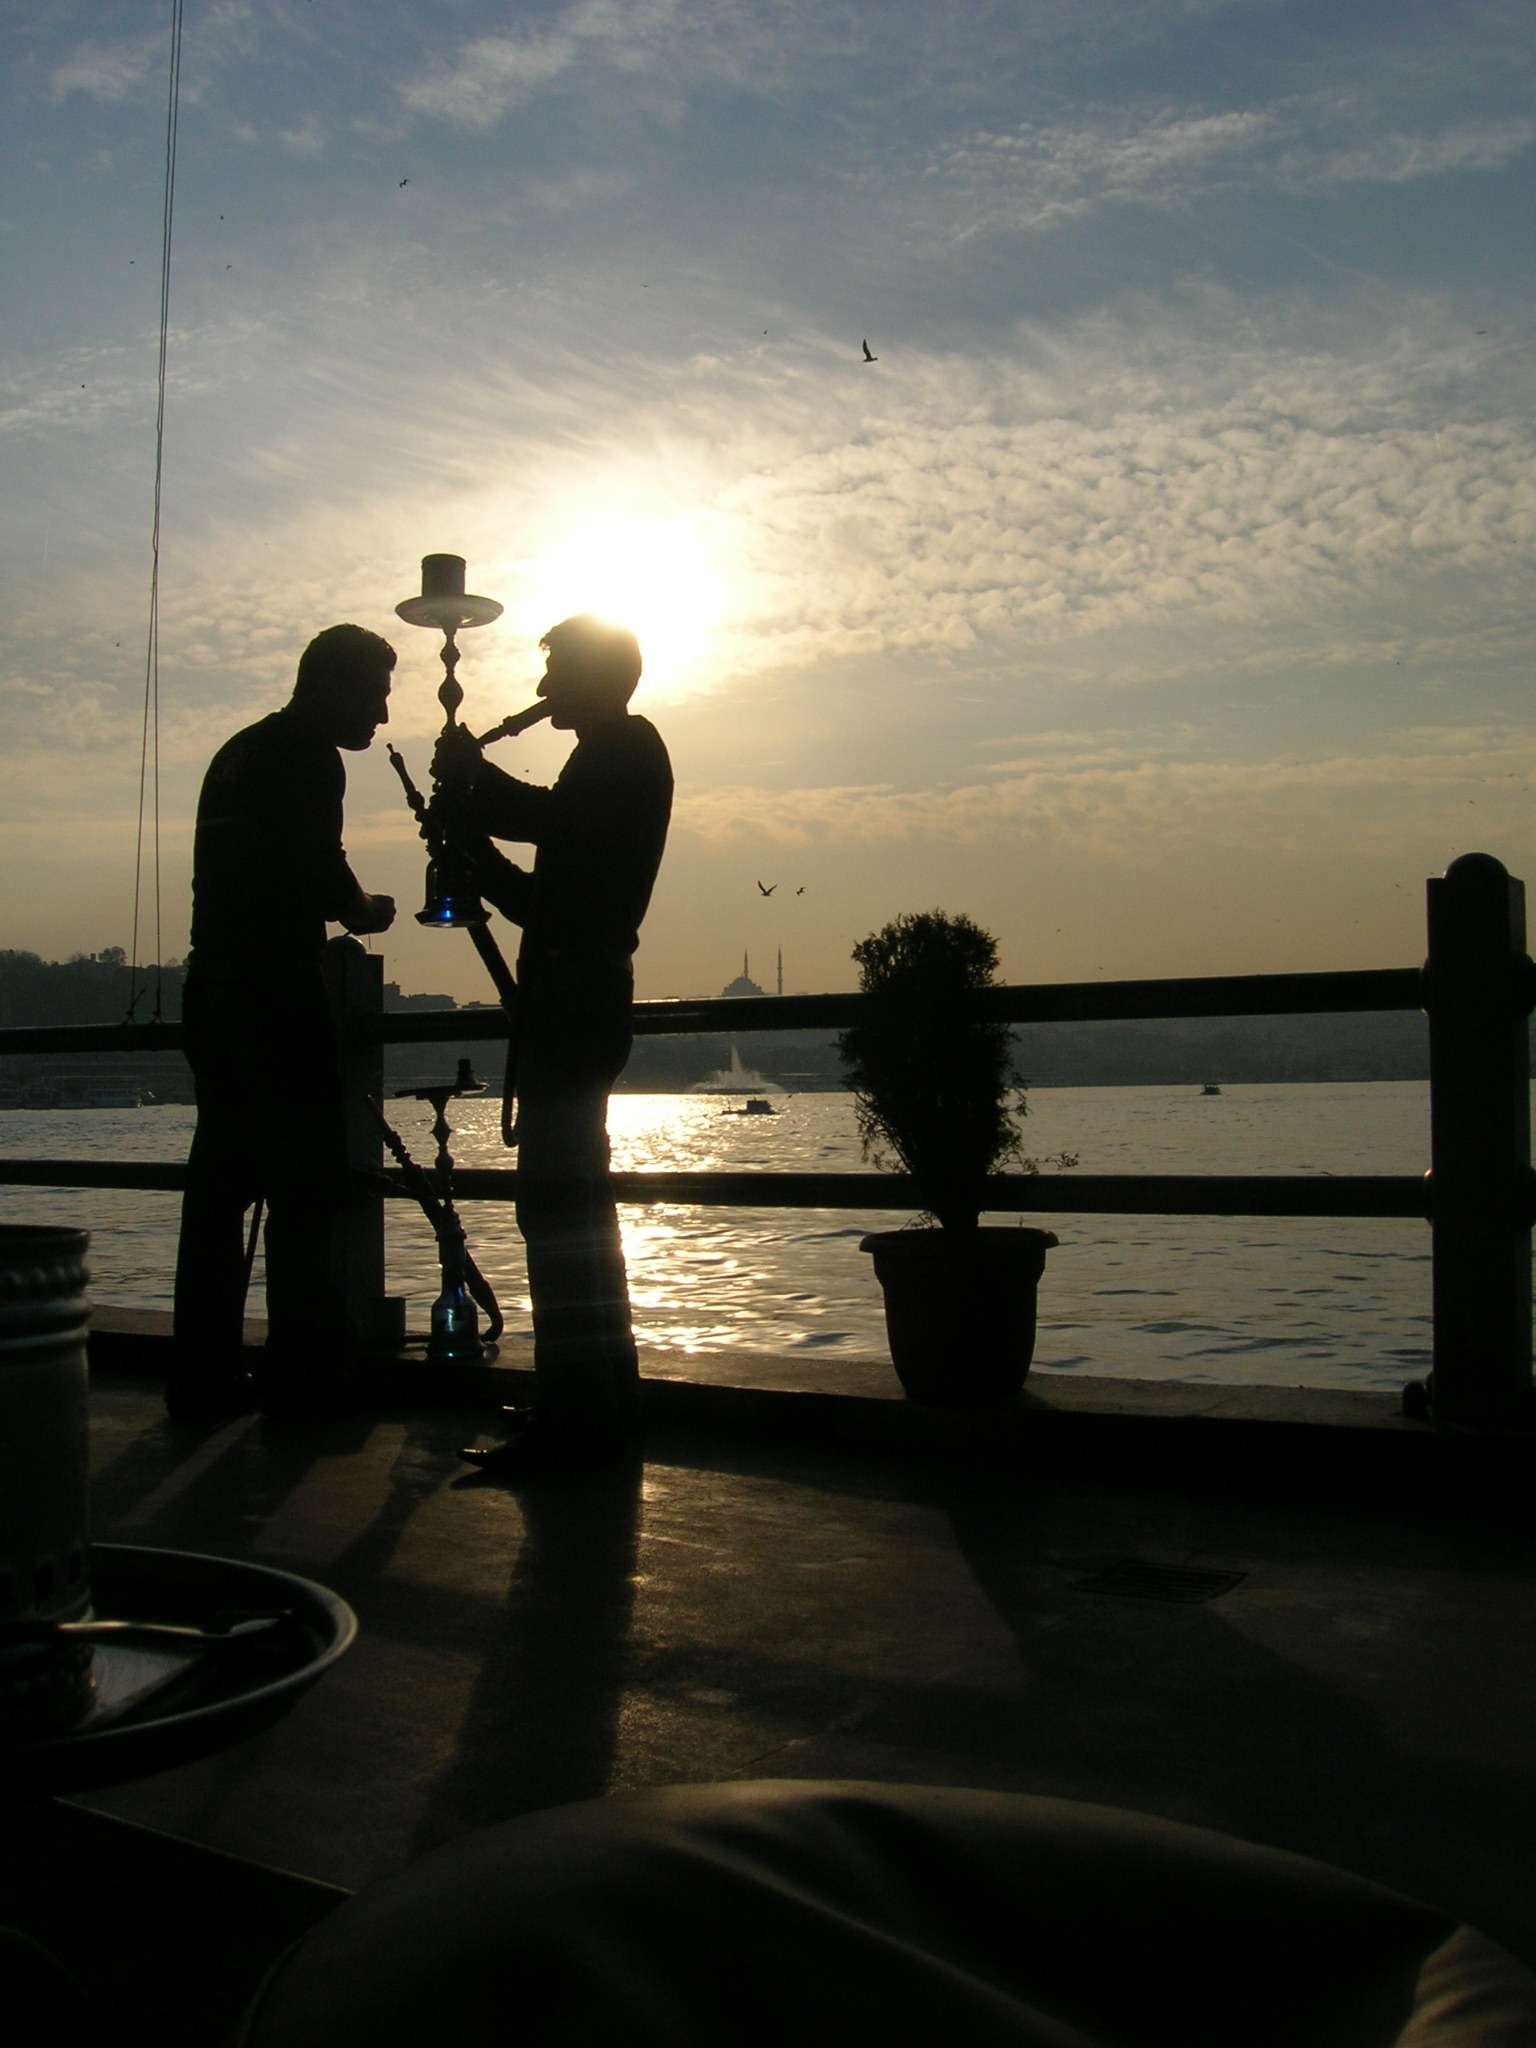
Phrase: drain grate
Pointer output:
(1136, 1579)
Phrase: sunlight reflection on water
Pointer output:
(1324, 1302)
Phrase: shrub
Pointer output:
(934, 1084)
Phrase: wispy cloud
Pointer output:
(1399, 159)
(1178, 495)
(107, 72)
(304, 138)
(491, 75)
(1038, 174)
(1136, 810)
(1066, 500)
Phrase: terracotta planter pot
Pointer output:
(960, 1309)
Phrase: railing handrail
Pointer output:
(1476, 988)
(1361, 990)
(1086, 1194)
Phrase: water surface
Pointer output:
(1300, 1302)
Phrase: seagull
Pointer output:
(867, 355)
(402, 184)
(768, 891)
(800, 892)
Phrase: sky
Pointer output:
(1161, 597)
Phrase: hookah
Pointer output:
(454, 1333)
(453, 903)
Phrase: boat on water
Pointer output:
(755, 1105)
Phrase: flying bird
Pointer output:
(402, 184)
(868, 357)
(769, 890)
(800, 892)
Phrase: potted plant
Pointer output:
(936, 1094)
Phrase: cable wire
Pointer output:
(149, 740)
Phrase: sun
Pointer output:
(659, 576)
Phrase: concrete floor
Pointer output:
(838, 1586)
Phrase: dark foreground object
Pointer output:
(153, 1704)
(44, 1466)
(797, 1911)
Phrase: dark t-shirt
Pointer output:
(268, 870)
(599, 831)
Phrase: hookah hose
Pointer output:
(494, 961)
(440, 1215)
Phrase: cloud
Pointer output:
(1229, 478)
(492, 75)
(77, 390)
(306, 138)
(106, 72)
(489, 77)
(1105, 804)
(1040, 174)
(1399, 159)
(1195, 492)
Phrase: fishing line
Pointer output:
(149, 741)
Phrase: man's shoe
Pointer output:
(193, 1396)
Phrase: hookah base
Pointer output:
(455, 1351)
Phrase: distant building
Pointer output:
(396, 1000)
(744, 985)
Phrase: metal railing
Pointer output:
(1479, 1196)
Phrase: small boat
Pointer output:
(1209, 1088)
(756, 1105)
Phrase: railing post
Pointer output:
(1478, 996)
(355, 981)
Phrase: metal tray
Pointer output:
(154, 1708)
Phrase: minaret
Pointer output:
(781, 970)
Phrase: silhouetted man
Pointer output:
(268, 875)
(599, 834)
